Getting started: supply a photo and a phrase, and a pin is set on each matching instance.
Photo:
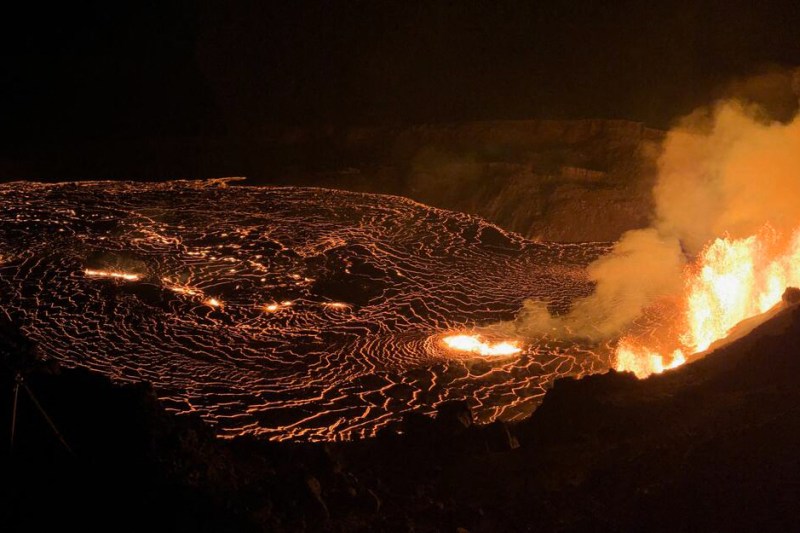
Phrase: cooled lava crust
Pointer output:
(290, 313)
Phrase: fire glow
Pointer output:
(277, 306)
(213, 302)
(338, 306)
(179, 289)
(732, 280)
(475, 344)
(111, 274)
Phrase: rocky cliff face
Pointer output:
(580, 180)
(583, 180)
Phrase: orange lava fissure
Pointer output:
(732, 280)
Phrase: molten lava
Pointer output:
(213, 302)
(179, 288)
(732, 280)
(336, 305)
(475, 344)
(125, 276)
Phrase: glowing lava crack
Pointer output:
(288, 313)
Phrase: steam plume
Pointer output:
(724, 170)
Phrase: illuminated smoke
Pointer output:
(726, 171)
(643, 266)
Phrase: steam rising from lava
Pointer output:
(722, 247)
(643, 266)
(727, 172)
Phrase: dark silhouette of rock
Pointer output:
(791, 295)
(710, 446)
(17, 353)
(315, 488)
(454, 415)
(416, 425)
(558, 180)
(499, 438)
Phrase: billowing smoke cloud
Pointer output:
(644, 265)
(726, 170)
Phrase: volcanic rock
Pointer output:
(454, 415)
(709, 446)
(315, 488)
(791, 296)
(558, 180)
(499, 438)
(416, 425)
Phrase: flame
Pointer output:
(126, 276)
(643, 361)
(475, 344)
(732, 280)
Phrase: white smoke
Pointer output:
(724, 170)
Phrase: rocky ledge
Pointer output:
(710, 446)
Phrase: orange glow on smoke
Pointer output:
(475, 344)
(732, 280)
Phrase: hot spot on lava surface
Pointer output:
(290, 313)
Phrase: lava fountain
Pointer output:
(727, 198)
(732, 280)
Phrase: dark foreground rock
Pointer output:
(712, 446)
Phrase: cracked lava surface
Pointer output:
(290, 313)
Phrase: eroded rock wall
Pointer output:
(585, 180)
(579, 180)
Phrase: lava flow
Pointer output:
(476, 345)
(287, 313)
(111, 274)
(732, 280)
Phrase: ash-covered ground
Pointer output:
(287, 313)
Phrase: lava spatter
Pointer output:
(289, 313)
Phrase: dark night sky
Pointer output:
(156, 69)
